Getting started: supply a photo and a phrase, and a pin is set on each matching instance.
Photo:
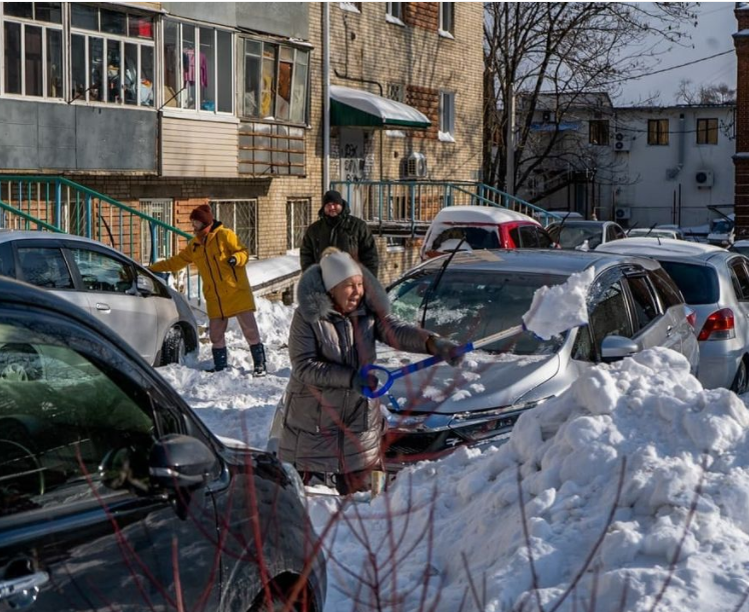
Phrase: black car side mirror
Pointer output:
(617, 347)
(180, 462)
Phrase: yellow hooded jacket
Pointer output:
(226, 288)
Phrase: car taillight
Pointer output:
(718, 326)
(691, 316)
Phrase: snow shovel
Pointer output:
(390, 376)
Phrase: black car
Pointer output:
(113, 494)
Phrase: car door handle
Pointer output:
(669, 330)
(22, 592)
(103, 307)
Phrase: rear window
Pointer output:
(698, 284)
(475, 237)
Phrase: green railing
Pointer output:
(59, 204)
(413, 204)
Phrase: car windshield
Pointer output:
(470, 305)
(698, 284)
(721, 226)
(475, 237)
(571, 236)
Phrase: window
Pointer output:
(667, 291)
(32, 49)
(275, 82)
(396, 91)
(241, 217)
(394, 12)
(112, 56)
(447, 116)
(103, 274)
(447, 18)
(658, 132)
(707, 131)
(354, 7)
(740, 279)
(160, 209)
(598, 132)
(644, 301)
(198, 68)
(298, 218)
(44, 267)
(697, 282)
(609, 316)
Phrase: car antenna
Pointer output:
(433, 287)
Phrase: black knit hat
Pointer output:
(332, 196)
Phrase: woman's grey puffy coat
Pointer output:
(329, 426)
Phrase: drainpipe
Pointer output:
(682, 139)
(325, 96)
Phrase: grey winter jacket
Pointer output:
(328, 425)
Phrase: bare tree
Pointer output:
(561, 51)
(721, 93)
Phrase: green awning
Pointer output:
(358, 108)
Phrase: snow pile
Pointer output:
(559, 308)
(643, 432)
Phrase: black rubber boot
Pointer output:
(220, 358)
(258, 358)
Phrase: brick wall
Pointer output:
(424, 15)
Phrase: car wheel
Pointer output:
(741, 380)
(173, 350)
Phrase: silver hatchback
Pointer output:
(715, 283)
(151, 317)
(633, 305)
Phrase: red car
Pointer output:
(483, 227)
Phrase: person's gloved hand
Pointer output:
(359, 383)
(232, 261)
(446, 349)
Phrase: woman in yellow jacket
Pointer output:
(220, 258)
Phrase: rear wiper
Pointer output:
(437, 278)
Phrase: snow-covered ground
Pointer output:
(628, 492)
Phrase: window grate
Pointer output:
(298, 219)
(161, 209)
(241, 217)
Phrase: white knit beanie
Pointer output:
(337, 267)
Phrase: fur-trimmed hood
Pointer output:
(315, 303)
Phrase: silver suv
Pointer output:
(151, 317)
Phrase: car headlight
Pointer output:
(296, 480)
(476, 426)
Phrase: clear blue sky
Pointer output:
(715, 25)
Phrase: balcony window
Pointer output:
(32, 49)
(111, 56)
(275, 82)
(198, 65)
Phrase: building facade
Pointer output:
(164, 106)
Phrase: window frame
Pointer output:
(447, 120)
(636, 276)
(181, 94)
(657, 135)
(707, 131)
(292, 206)
(217, 205)
(45, 26)
(394, 13)
(446, 27)
(353, 7)
(241, 81)
(599, 132)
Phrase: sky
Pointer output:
(632, 486)
(715, 25)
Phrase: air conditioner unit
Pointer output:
(416, 166)
(546, 116)
(622, 142)
(622, 213)
(704, 179)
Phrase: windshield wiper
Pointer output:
(437, 278)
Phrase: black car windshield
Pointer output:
(471, 305)
(572, 236)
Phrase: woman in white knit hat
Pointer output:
(329, 427)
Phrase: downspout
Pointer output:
(682, 139)
(325, 96)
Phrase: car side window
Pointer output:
(544, 240)
(610, 315)
(102, 273)
(528, 237)
(6, 260)
(44, 267)
(583, 348)
(645, 302)
(67, 430)
(667, 290)
(739, 278)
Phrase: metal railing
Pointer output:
(61, 205)
(413, 204)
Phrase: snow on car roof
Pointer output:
(479, 214)
(652, 247)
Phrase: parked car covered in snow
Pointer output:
(482, 227)
(114, 495)
(655, 232)
(715, 284)
(722, 231)
(633, 305)
(154, 319)
(581, 234)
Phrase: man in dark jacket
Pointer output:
(337, 227)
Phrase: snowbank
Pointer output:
(456, 526)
